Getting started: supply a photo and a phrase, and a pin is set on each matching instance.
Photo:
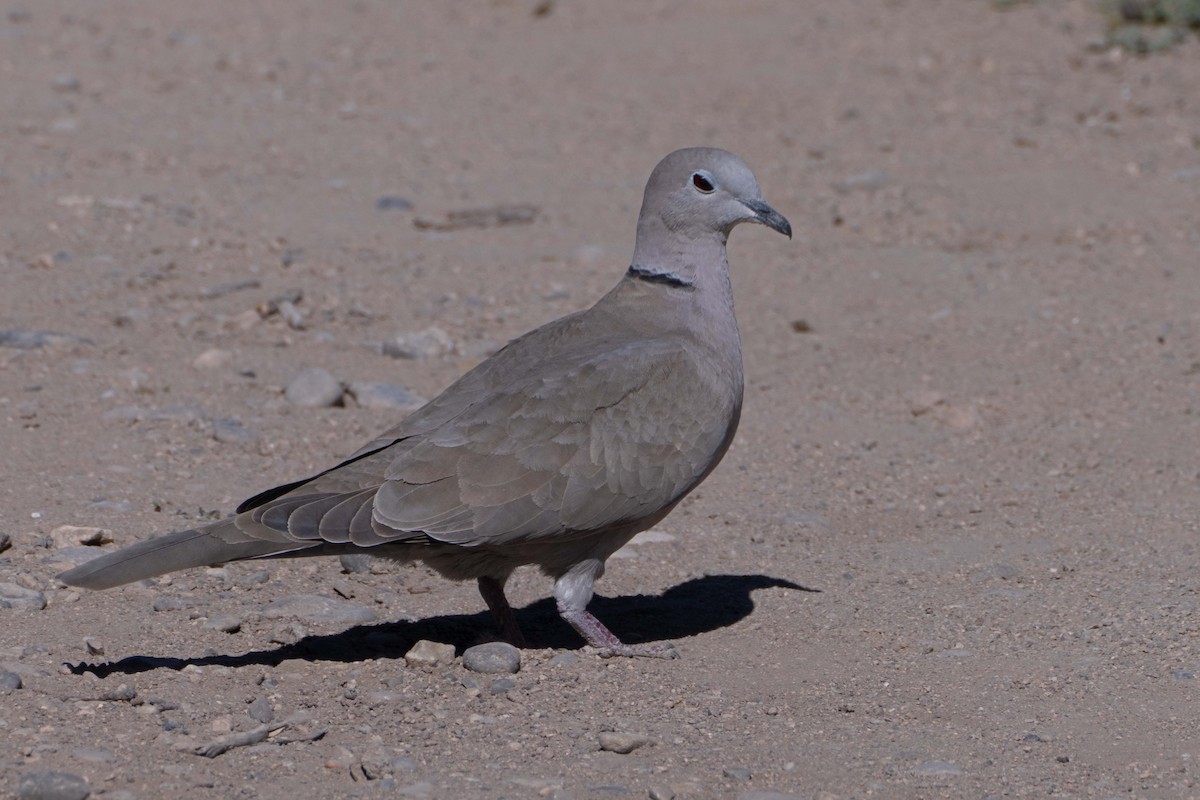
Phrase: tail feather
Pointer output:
(213, 544)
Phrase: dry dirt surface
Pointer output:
(971, 418)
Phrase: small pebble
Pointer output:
(112, 505)
(393, 202)
(869, 181)
(313, 388)
(501, 685)
(93, 646)
(14, 595)
(371, 394)
(622, 742)
(9, 682)
(660, 793)
(213, 358)
(5, 542)
(492, 658)
(736, 773)
(563, 659)
(52, 785)
(429, 343)
(226, 623)
(317, 608)
(429, 654)
(355, 563)
(222, 289)
(67, 83)
(936, 768)
(93, 754)
(176, 603)
(80, 536)
(228, 431)
(31, 340)
(254, 578)
(261, 711)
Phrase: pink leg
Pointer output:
(493, 594)
(606, 642)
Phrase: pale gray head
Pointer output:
(700, 191)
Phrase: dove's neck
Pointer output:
(684, 262)
(679, 282)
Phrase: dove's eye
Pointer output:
(702, 182)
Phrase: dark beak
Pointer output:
(768, 216)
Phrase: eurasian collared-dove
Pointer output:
(555, 451)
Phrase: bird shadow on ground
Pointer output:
(691, 608)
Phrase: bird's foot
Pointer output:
(605, 643)
(657, 650)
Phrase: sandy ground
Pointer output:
(971, 420)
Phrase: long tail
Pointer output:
(213, 544)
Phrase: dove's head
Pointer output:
(704, 192)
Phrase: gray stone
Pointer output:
(355, 562)
(502, 685)
(936, 769)
(804, 519)
(429, 343)
(393, 202)
(318, 609)
(176, 603)
(112, 505)
(230, 431)
(769, 795)
(52, 785)
(226, 623)
(314, 388)
(254, 578)
(562, 660)
(261, 711)
(5, 542)
(372, 394)
(80, 536)
(67, 83)
(429, 654)
(9, 682)
(868, 181)
(31, 340)
(622, 742)
(74, 555)
(736, 773)
(14, 595)
(228, 287)
(180, 412)
(492, 658)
